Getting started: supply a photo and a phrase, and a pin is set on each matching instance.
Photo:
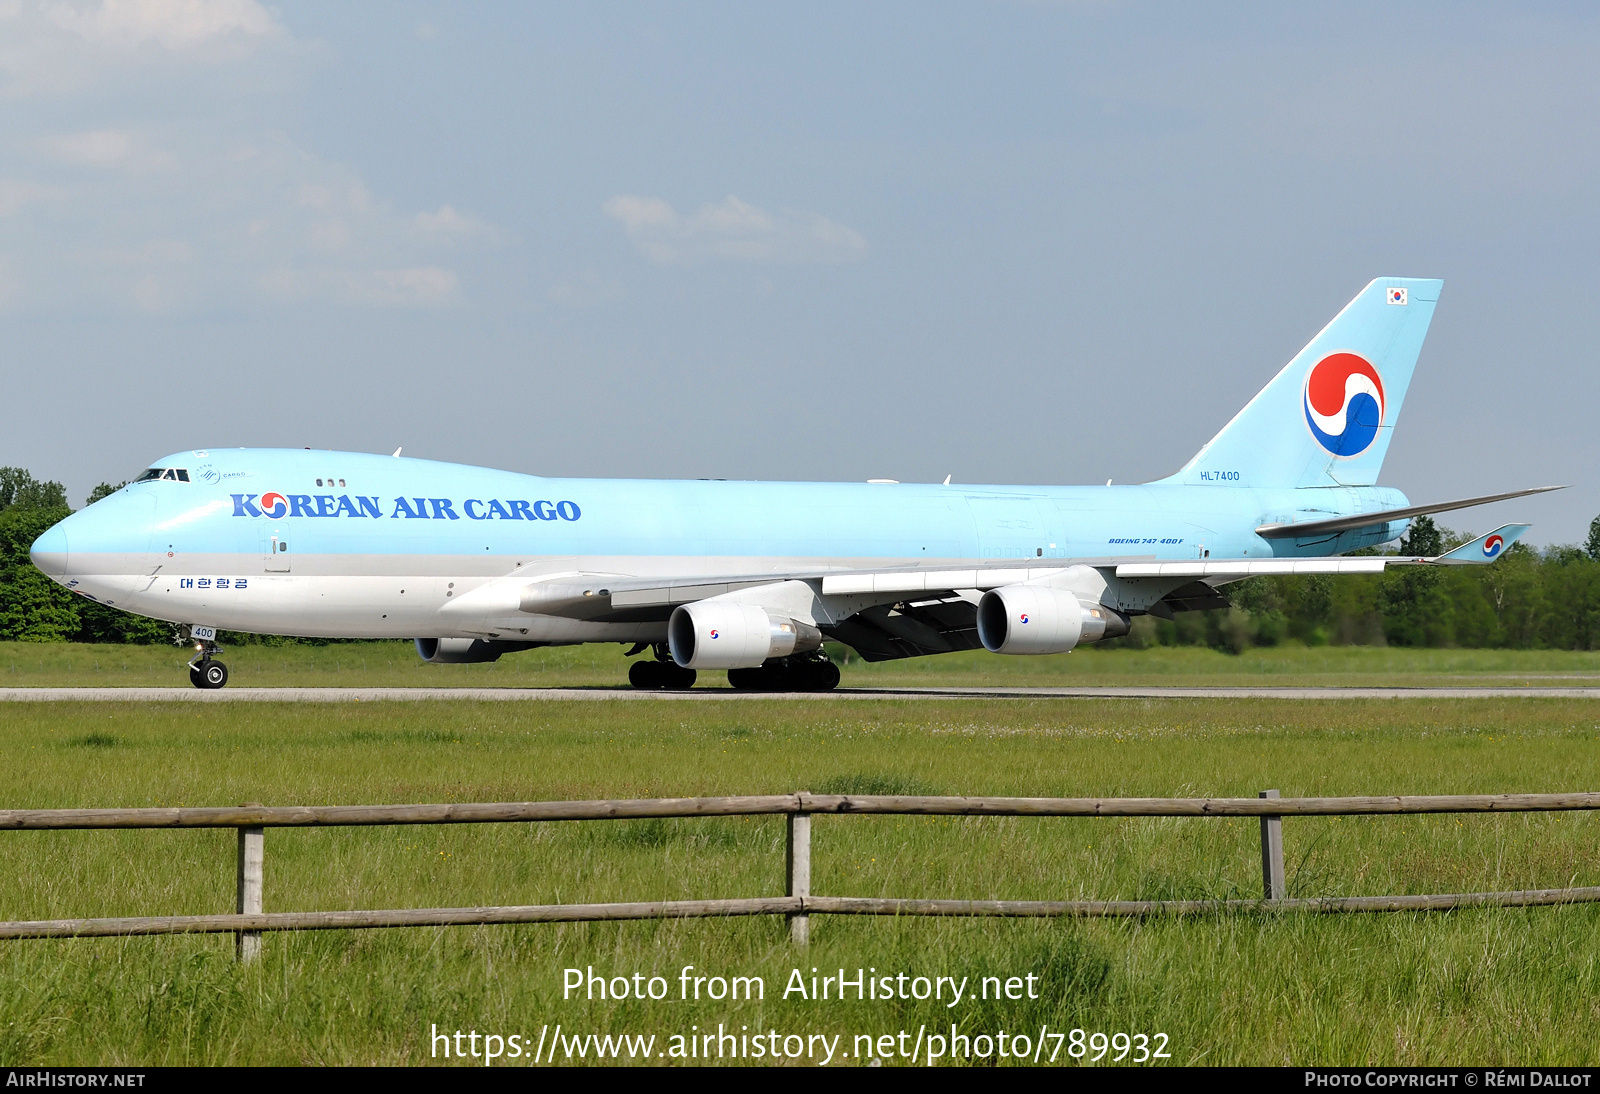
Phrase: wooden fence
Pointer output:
(799, 903)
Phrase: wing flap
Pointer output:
(918, 581)
(1235, 568)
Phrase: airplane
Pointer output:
(753, 577)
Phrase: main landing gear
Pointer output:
(804, 673)
(204, 673)
(808, 672)
(660, 674)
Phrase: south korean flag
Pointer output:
(1397, 296)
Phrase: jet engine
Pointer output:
(728, 634)
(1041, 619)
(466, 651)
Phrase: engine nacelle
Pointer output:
(728, 634)
(1040, 619)
(466, 651)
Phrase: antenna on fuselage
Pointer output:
(397, 451)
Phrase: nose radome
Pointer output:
(49, 552)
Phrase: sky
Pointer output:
(1007, 242)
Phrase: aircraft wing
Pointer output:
(896, 612)
(1484, 549)
(599, 595)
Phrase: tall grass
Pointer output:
(1493, 986)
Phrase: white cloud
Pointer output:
(59, 46)
(107, 148)
(156, 251)
(191, 217)
(449, 226)
(349, 196)
(416, 286)
(735, 231)
(585, 289)
(195, 211)
(181, 26)
(141, 171)
(328, 238)
(15, 193)
(99, 149)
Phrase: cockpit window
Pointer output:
(170, 474)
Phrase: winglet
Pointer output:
(1484, 548)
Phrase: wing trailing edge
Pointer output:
(1483, 550)
(1301, 529)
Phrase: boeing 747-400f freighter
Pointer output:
(752, 577)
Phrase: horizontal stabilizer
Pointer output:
(1300, 529)
(1484, 548)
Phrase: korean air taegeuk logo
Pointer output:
(1344, 403)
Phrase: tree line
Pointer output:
(32, 607)
(1526, 599)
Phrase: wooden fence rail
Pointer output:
(798, 903)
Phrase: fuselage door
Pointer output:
(1009, 525)
(275, 553)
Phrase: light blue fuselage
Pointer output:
(384, 546)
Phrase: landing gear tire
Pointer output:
(755, 679)
(208, 675)
(204, 673)
(809, 675)
(660, 676)
(818, 675)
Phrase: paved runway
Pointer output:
(358, 695)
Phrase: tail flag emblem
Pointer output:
(1344, 403)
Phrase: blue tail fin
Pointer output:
(1326, 419)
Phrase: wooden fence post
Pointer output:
(798, 871)
(252, 856)
(1272, 882)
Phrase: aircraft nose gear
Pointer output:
(661, 674)
(203, 671)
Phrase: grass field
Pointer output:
(395, 664)
(1484, 986)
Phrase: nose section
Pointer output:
(49, 552)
